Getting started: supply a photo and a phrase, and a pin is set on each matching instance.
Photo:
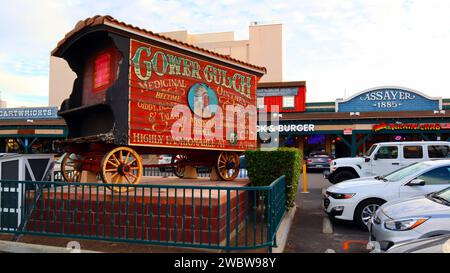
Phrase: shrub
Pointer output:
(266, 166)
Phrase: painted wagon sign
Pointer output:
(220, 102)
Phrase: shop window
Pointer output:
(288, 102)
(260, 102)
(438, 151)
(12, 146)
(102, 71)
(388, 152)
(412, 152)
(439, 176)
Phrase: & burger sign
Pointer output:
(285, 128)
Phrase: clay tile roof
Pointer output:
(110, 21)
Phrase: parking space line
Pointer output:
(327, 227)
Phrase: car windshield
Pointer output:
(370, 151)
(405, 172)
(444, 195)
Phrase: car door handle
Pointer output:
(395, 163)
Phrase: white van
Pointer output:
(385, 157)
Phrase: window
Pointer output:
(370, 151)
(388, 152)
(102, 67)
(260, 102)
(288, 102)
(412, 152)
(438, 151)
(438, 176)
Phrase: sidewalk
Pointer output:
(310, 222)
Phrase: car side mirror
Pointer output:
(367, 159)
(416, 182)
(375, 157)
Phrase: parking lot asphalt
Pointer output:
(313, 232)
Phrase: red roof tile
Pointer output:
(110, 21)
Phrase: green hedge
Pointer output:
(266, 166)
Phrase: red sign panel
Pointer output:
(180, 101)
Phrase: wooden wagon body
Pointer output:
(138, 92)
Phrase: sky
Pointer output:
(338, 47)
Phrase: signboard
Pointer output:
(274, 92)
(162, 80)
(348, 131)
(29, 113)
(285, 128)
(388, 99)
(410, 126)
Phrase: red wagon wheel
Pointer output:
(178, 169)
(227, 166)
(122, 165)
(71, 167)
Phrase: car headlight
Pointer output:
(405, 224)
(341, 195)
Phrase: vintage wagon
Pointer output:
(138, 92)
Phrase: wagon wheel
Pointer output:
(122, 165)
(227, 166)
(71, 168)
(178, 169)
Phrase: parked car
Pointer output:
(385, 157)
(165, 159)
(411, 218)
(358, 199)
(318, 160)
(437, 244)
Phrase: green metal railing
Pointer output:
(223, 218)
(168, 172)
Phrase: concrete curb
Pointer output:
(283, 230)
(15, 247)
(327, 226)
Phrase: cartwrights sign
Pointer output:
(29, 113)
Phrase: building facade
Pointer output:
(30, 130)
(349, 127)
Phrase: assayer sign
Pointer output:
(383, 99)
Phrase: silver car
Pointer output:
(438, 244)
(412, 218)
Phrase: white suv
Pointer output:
(385, 157)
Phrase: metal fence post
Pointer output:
(228, 221)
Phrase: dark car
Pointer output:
(318, 161)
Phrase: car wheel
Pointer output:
(365, 210)
(342, 176)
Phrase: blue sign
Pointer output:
(29, 113)
(388, 99)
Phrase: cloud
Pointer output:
(20, 90)
(334, 45)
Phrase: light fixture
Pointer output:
(442, 112)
